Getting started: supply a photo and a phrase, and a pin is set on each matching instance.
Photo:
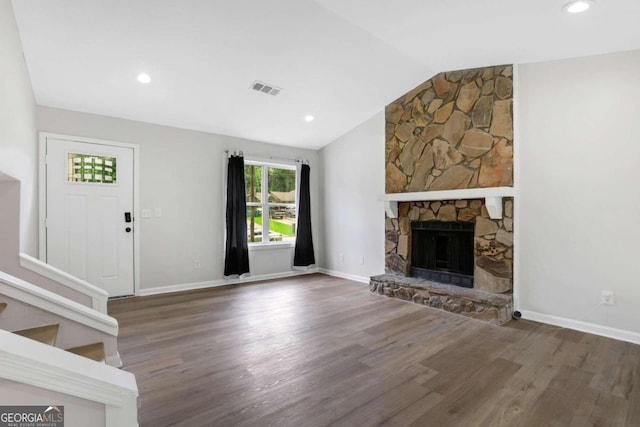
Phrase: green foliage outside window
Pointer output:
(90, 168)
(277, 201)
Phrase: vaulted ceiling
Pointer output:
(338, 60)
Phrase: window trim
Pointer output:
(264, 205)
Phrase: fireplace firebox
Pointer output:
(443, 252)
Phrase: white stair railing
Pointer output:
(29, 362)
(18, 289)
(98, 296)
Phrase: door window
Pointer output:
(91, 168)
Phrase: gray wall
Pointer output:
(578, 202)
(353, 214)
(18, 140)
(182, 173)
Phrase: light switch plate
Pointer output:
(157, 212)
(145, 213)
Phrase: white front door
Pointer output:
(89, 213)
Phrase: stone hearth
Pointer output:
(490, 307)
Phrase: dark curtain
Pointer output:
(303, 256)
(236, 260)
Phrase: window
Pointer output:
(90, 168)
(271, 202)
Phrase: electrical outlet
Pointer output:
(196, 264)
(341, 258)
(362, 260)
(606, 298)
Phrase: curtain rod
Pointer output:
(234, 153)
(241, 154)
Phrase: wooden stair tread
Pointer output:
(45, 334)
(3, 305)
(93, 351)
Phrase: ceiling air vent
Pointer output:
(265, 88)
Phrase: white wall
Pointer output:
(18, 138)
(181, 172)
(579, 203)
(353, 215)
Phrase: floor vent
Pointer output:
(265, 88)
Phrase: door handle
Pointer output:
(128, 229)
(127, 217)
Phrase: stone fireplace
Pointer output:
(449, 177)
(492, 257)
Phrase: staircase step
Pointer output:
(3, 305)
(93, 351)
(45, 334)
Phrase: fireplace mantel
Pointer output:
(493, 198)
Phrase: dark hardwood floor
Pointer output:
(317, 350)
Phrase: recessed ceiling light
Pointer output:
(308, 118)
(578, 6)
(144, 78)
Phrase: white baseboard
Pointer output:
(223, 282)
(592, 328)
(342, 275)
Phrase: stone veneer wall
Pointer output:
(453, 131)
(493, 241)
